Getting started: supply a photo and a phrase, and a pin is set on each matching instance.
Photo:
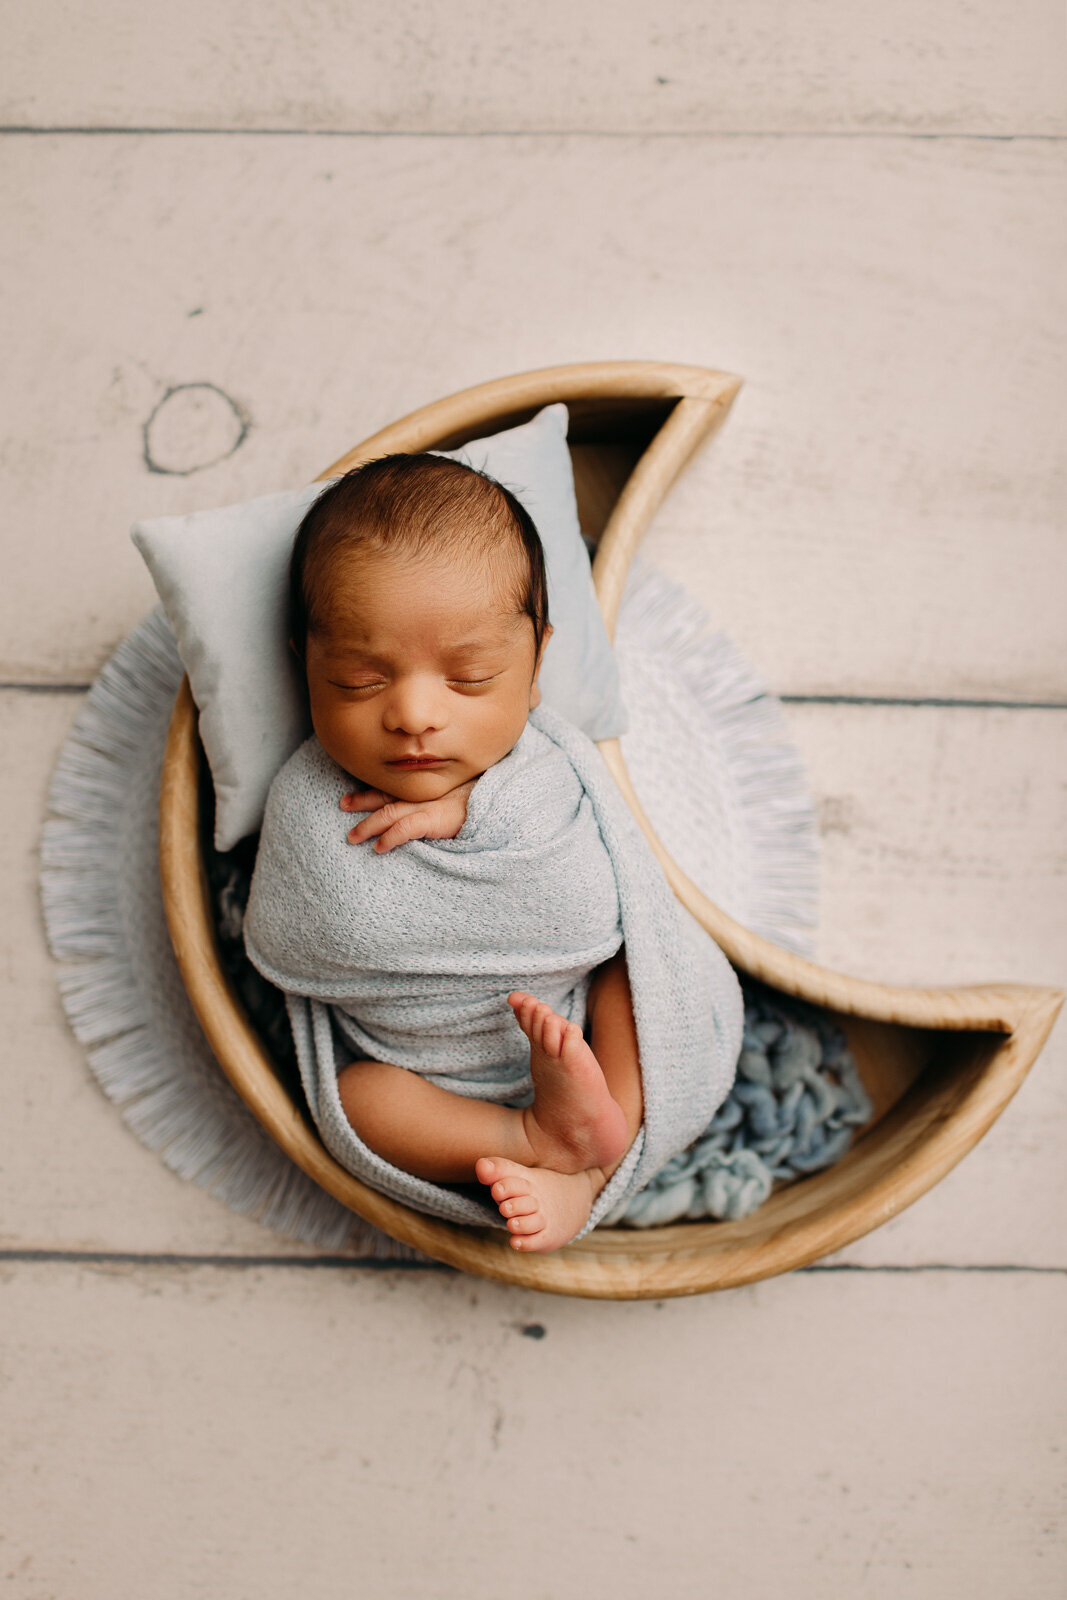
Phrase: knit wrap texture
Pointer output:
(408, 957)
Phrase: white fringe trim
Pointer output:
(767, 776)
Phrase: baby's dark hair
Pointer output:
(418, 504)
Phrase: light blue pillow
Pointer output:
(223, 578)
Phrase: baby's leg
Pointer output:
(440, 1136)
(543, 1206)
(574, 1122)
(552, 1158)
(613, 1039)
(423, 1128)
(573, 1125)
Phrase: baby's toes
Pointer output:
(524, 1014)
(508, 1189)
(555, 1032)
(502, 1184)
(526, 1225)
(525, 1241)
(539, 1020)
(520, 1206)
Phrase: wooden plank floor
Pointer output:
(236, 239)
(278, 1431)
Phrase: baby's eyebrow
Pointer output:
(476, 647)
(353, 652)
(348, 650)
(501, 636)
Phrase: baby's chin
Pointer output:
(430, 784)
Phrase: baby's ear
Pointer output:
(535, 692)
(546, 636)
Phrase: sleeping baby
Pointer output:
(458, 969)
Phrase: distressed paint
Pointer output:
(963, 66)
(279, 1432)
(881, 515)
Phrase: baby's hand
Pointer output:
(394, 822)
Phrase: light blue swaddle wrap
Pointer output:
(408, 957)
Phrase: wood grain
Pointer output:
(898, 1433)
(486, 66)
(881, 514)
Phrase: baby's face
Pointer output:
(422, 675)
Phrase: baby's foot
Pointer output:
(573, 1123)
(543, 1209)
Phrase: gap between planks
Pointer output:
(918, 702)
(132, 1258)
(118, 130)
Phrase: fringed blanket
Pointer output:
(408, 957)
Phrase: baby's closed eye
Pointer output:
(472, 683)
(357, 688)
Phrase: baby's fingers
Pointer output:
(397, 822)
(376, 823)
(380, 821)
(412, 825)
(364, 800)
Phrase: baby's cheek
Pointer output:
(343, 741)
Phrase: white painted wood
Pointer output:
(483, 65)
(882, 514)
(943, 832)
(171, 1432)
(943, 859)
(71, 1173)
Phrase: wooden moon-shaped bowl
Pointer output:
(939, 1064)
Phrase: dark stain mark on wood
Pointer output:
(837, 814)
(192, 427)
(533, 1330)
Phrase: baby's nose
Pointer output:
(416, 705)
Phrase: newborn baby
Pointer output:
(484, 880)
(420, 613)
